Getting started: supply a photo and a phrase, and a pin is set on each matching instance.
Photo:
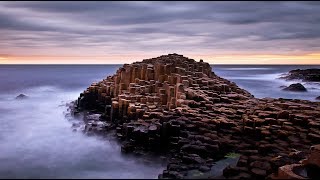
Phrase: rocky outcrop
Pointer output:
(308, 168)
(177, 105)
(295, 87)
(318, 98)
(312, 75)
(21, 96)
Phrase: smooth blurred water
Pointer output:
(262, 80)
(36, 140)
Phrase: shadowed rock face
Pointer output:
(305, 74)
(175, 104)
(295, 87)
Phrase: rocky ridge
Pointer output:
(178, 105)
(312, 75)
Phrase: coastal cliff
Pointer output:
(178, 105)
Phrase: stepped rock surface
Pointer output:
(177, 105)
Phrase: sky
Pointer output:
(84, 32)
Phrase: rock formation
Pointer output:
(21, 96)
(178, 105)
(308, 168)
(295, 87)
(312, 75)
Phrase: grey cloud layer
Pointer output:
(155, 26)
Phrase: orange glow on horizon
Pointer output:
(3, 60)
(311, 58)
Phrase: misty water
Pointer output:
(36, 139)
(263, 80)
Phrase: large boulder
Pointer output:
(295, 87)
(318, 98)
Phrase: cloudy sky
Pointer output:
(123, 32)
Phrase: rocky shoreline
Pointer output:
(309, 75)
(177, 106)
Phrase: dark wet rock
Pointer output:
(127, 147)
(314, 137)
(283, 115)
(259, 172)
(261, 165)
(173, 167)
(295, 87)
(204, 168)
(297, 155)
(242, 162)
(22, 96)
(242, 175)
(312, 75)
(318, 98)
(192, 159)
(230, 171)
(174, 175)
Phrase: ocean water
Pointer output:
(263, 80)
(36, 139)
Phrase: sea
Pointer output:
(36, 139)
(263, 80)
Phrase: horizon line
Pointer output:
(131, 63)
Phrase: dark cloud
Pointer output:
(11, 23)
(138, 26)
